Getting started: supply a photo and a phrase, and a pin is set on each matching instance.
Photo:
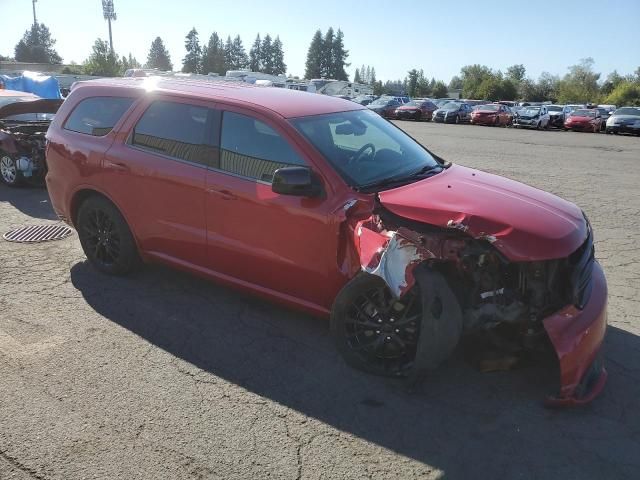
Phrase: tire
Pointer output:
(9, 172)
(497, 124)
(106, 238)
(457, 120)
(418, 116)
(361, 332)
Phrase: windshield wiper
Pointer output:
(385, 182)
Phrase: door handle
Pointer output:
(116, 166)
(224, 194)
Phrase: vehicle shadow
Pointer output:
(459, 421)
(31, 200)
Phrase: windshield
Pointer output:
(554, 108)
(381, 101)
(583, 113)
(414, 103)
(451, 106)
(530, 110)
(363, 147)
(493, 108)
(627, 111)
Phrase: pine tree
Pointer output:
(158, 56)
(326, 58)
(339, 57)
(314, 55)
(102, 62)
(356, 77)
(372, 76)
(240, 58)
(213, 60)
(192, 62)
(364, 74)
(228, 54)
(255, 55)
(37, 46)
(279, 67)
(267, 54)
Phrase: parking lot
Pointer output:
(163, 375)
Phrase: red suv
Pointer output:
(321, 204)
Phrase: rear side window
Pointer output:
(97, 115)
(251, 148)
(178, 130)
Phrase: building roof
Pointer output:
(285, 102)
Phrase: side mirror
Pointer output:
(298, 181)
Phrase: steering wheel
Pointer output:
(360, 153)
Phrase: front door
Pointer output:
(277, 242)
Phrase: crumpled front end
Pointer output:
(562, 300)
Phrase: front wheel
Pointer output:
(373, 331)
(457, 119)
(105, 237)
(9, 170)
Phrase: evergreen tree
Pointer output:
(192, 62)
(326, 59)
(37, 46)
(364, 74)
(356, 77)
(159, 56)
(267, 55)
(339, 57)
(255, 55)
(228, 54)
(314, 57)
(372, 76)
(102, 62)
(279, 67)
(213, 59)
(239, 55)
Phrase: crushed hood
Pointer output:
(33, 106)
(522, 222)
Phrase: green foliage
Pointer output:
(159, 56)
(472, 77)
(192, 62)
(235, 56)
(73, 69)
(378, 89)
(327, 56)
(314, 57)
(37, 46)
(129, 62)
(516, 73)
(455, 83)
(625, 93)
(417, 84)
(102, 62)
(580, 85)
(439, 90)
(356, 77)
(213, 60)
(255, 55)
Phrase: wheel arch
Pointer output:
(82, 194)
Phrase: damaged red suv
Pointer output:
(321, 204)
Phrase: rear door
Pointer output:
(278, 242)
(157, 174)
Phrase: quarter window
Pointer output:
(178, 130)
(253, 149)
(97, 115)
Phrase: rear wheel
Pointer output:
(417, 116)
(457, 119)
(9, 170)
(105, 237)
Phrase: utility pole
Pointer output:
(109, 14)
(35, 22)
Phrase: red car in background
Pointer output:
(320, 204)
(584, 120)
(416, 110)
(492, 114)
(385, 106)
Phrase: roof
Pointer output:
(287, 103)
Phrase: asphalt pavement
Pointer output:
(164, 375)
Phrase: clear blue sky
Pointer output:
(437, 36)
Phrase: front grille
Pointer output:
(580, 271)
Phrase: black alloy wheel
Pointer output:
(373, 331)
(105, 237)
